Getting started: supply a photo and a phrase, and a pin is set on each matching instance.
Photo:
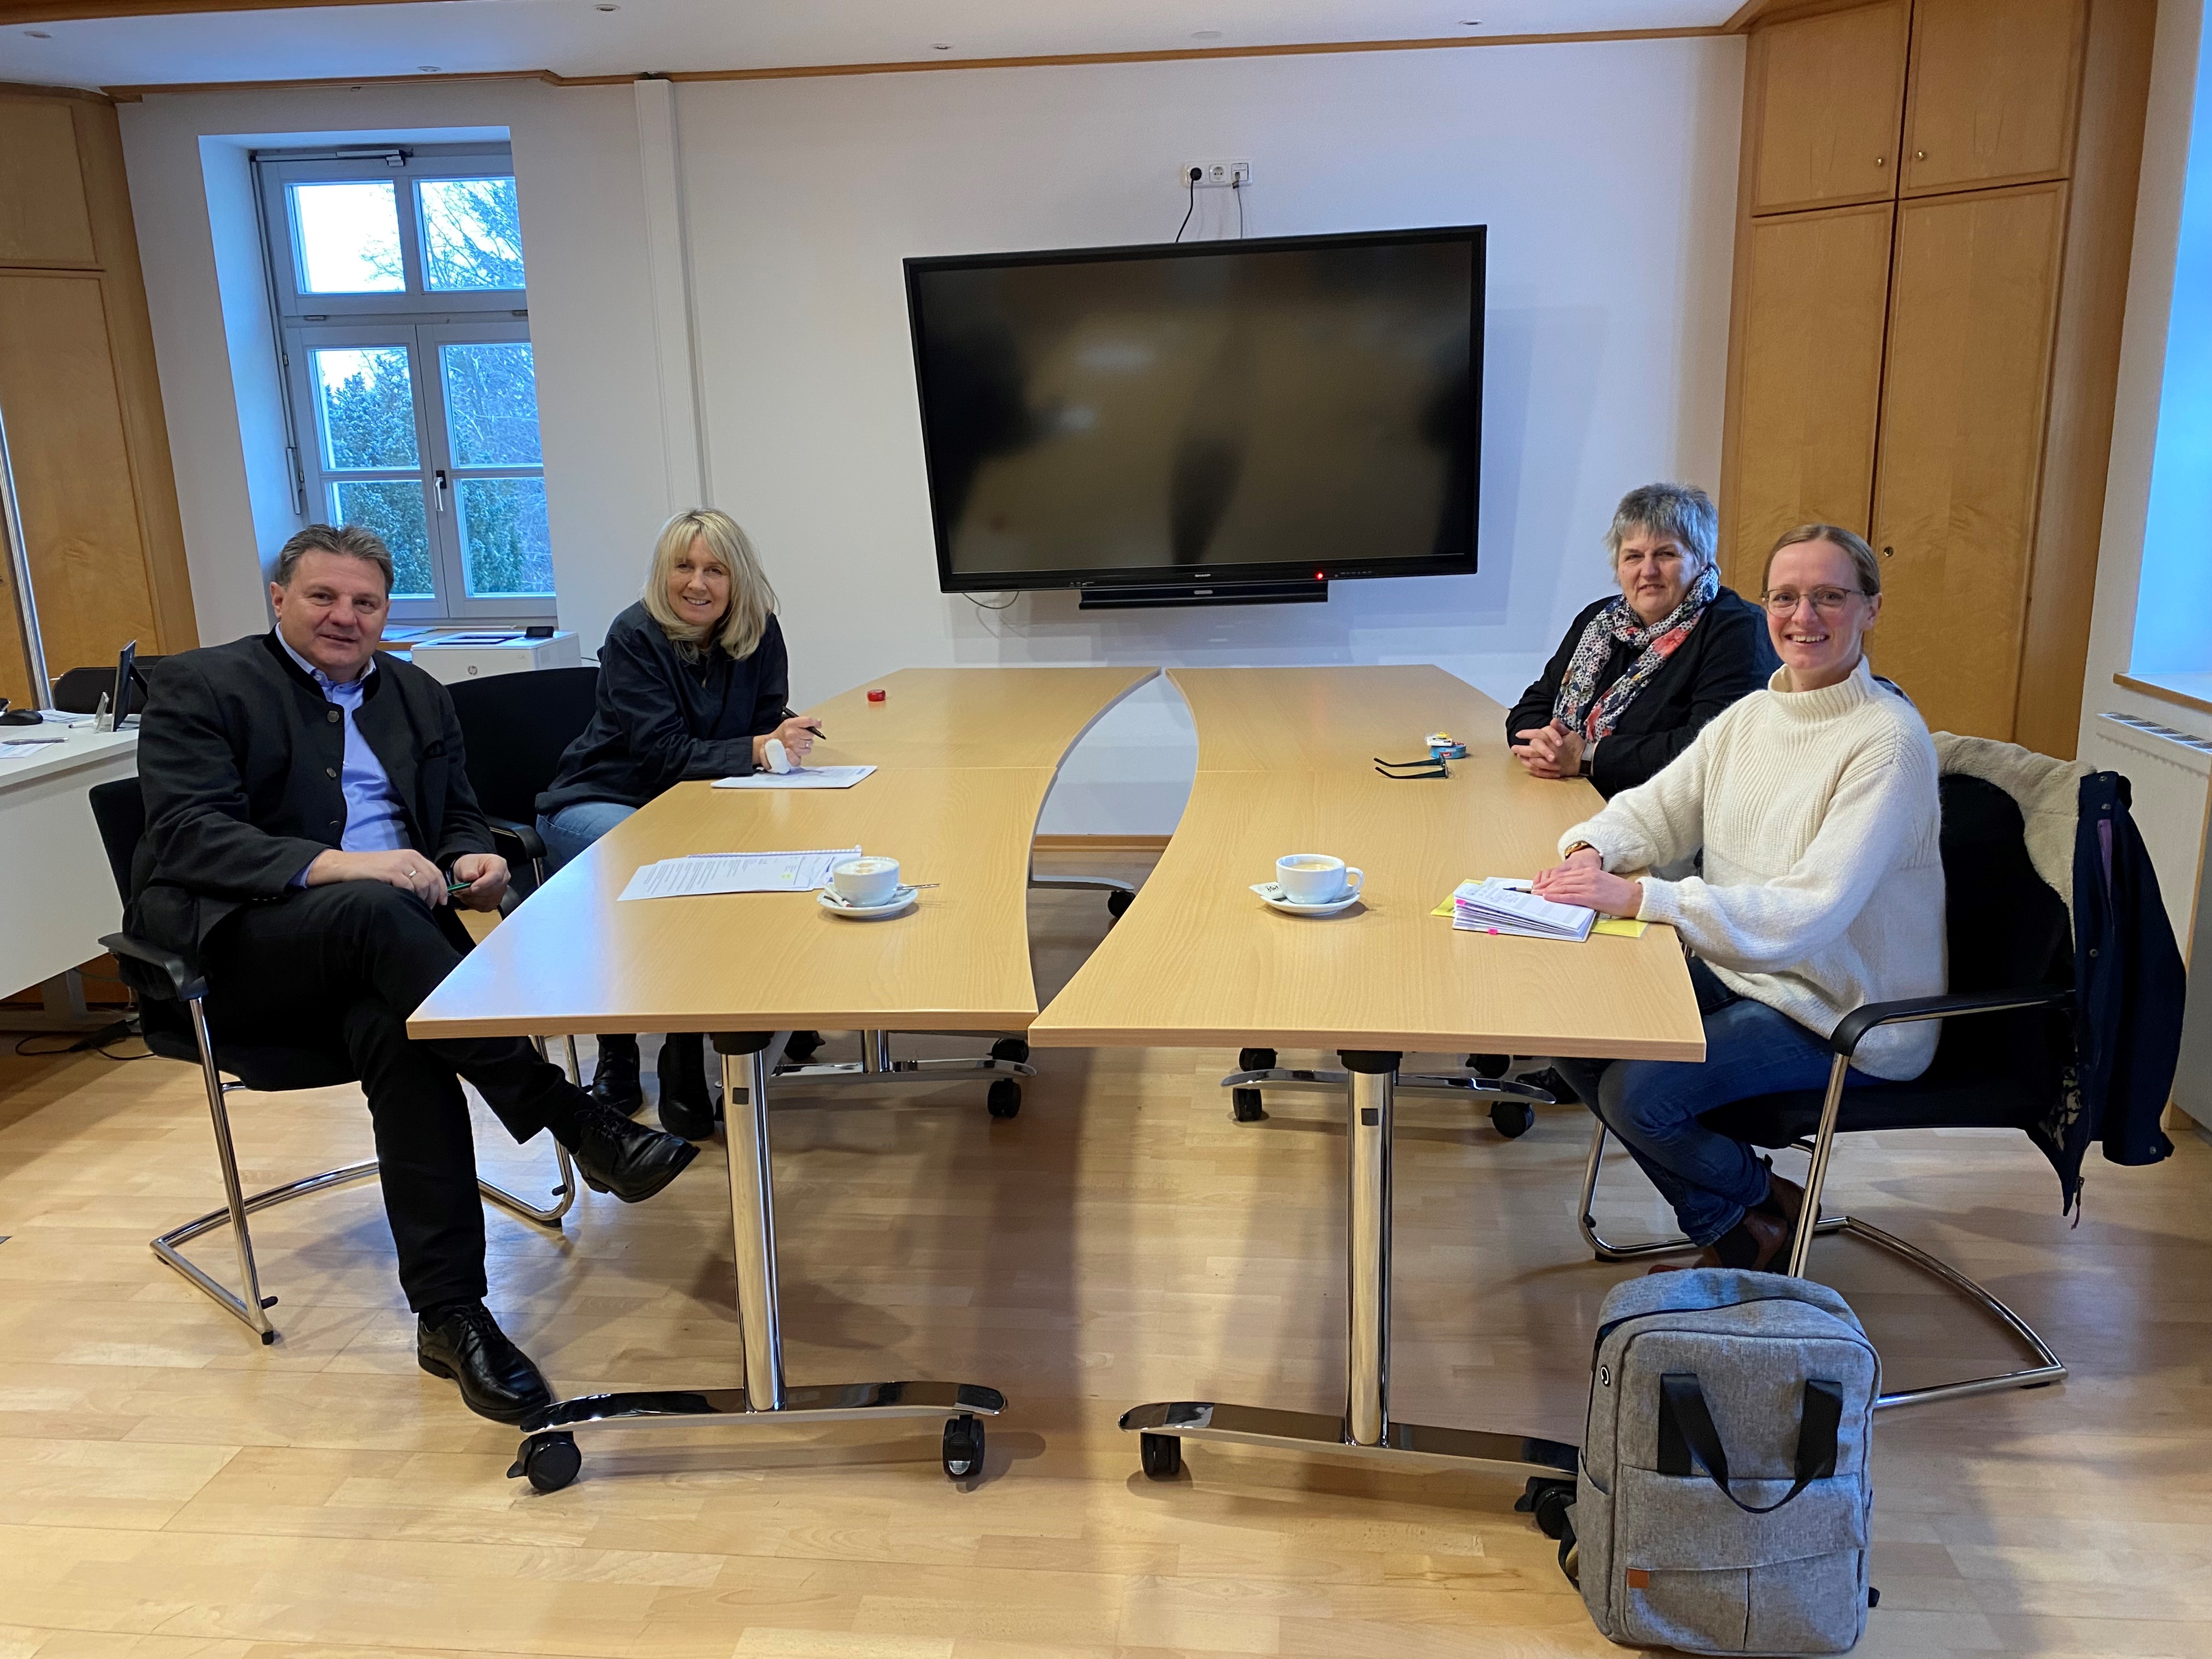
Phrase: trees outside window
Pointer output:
(401, 295)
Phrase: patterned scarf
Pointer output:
(1578, 706)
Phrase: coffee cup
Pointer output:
(1316, 878)
(866, 880)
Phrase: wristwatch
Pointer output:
(1582, 846)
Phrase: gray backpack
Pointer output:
(1723, 1501)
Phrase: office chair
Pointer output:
(80, 689)
(515, 728)
(2012, 970)
(175, 1026)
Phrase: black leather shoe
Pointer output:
(687, 1106)
(625, 1158)
(466, 1345)
(615, 1082)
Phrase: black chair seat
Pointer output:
(1927, 1103)
(265, 1068)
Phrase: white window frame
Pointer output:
(419, 320)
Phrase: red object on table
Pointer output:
(875, 696)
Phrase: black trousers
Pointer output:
(344, 965)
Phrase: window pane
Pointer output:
(505, 547)
(471, 234)
(491, 404)
(348, 238)
(368, 400)
(394, 509)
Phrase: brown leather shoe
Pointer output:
(1784, 1198)
(1770, 1236)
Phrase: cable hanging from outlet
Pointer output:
(1193, 208)
(1237, 189)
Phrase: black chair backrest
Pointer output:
(2006, 928)
(515, 727)
(79, 690)
(119, 809)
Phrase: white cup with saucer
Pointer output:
(866, 881)
(1314, 879)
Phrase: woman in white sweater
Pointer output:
(1814, 804)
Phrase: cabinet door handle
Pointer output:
(1888, 552)
(1879, 160)
(1919, 155)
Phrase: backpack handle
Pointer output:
(1686, 1429)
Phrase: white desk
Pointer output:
(56, 892)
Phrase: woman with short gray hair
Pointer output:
(1639, 673)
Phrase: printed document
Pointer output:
(735, 872)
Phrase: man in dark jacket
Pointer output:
(308, 819)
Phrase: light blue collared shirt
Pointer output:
(375, 821)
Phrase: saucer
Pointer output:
(1272, 896)
(900, 899)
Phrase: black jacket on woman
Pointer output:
(1728, 656)
(664, 715)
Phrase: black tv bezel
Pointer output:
(1325, 569)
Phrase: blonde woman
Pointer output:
(693, 680)
(1822, 890)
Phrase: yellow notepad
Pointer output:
(1618, 927)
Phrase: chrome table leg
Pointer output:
(1365, 1429)
(766, 1397)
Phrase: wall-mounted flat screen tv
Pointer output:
(1203, 422)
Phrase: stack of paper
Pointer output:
(735, 872)
(1499, 906)
(799, 777)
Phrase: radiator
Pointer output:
(2170, 774)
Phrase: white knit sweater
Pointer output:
(1823, 887)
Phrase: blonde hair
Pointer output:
(1854, 544)
(751, 598)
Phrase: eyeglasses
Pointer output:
(1828, 601)
(1428, 767)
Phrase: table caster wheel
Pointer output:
(1512, 1118)
(1489, 1064)
(1549, 1502)
(549, 1462)
(1118, 902)
(1004, 1099)
(1256, 1059)
(1162, 1455)
(802, 1047)
(963, 1447)
(1244, 1105)
(1012, 1049)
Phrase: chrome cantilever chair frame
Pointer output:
(2047, 1369)
(253, 1307)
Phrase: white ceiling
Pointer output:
(574, 36)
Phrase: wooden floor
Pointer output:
(169, 1488)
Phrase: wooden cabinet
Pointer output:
(1823, 99)
(1937, 367)
(1993, 85)
(1809, 315)
(1972, 299)
(88, 449)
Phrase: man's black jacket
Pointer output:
(238, 756)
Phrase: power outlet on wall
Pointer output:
(1224, 175)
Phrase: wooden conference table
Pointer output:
(1286, 765)
(966, 758)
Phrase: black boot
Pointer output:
(614, 1080)
(687, 1109)
(461, 1341)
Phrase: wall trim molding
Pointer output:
(813, 72)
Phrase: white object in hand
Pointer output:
(772, 751)
(865, 881)
(1317, 878)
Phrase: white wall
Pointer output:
(1607, 175)
(1606, 172)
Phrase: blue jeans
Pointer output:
(570, 831)
(1653, 1105)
